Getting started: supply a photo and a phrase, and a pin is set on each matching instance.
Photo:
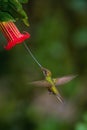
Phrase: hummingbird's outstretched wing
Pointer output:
(57, 81)
(63, 80)
(41, 83)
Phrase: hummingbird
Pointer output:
(51, 83)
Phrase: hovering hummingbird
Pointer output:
(51, 83)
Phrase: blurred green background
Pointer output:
(58, 40)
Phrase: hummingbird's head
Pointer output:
(46, 72)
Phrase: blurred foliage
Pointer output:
(59, 41)
(82, 125)
(12, 10)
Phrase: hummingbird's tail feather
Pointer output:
(59, 98)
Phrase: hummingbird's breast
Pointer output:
(52, 87)
(49, 79)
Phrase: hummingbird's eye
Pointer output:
(45, 72)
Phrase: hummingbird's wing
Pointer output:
(63, 80)
(57, 81)
(41, 83)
